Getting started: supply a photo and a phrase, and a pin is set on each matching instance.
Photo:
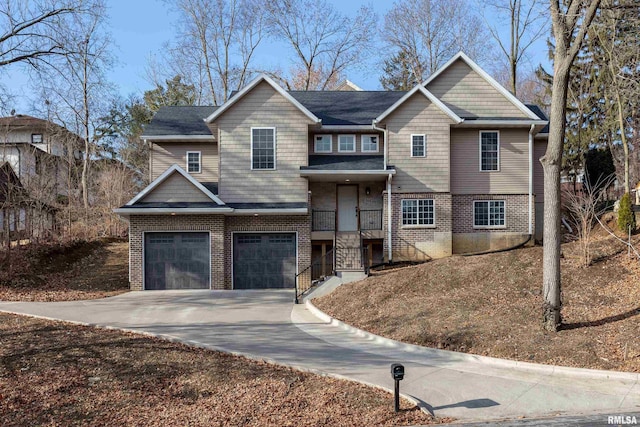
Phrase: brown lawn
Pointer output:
(64, 271)
(492, 305)
(53, 373)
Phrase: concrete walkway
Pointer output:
(264, 325)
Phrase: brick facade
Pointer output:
(419, 243)
(138, 224)
(516, 219)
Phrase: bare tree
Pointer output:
(325, 42)
(215, 46)
(26, 29)
(76, 85)
(570, 23)
(527, 24)
(430, 32)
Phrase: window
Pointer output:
(36, 138)
(488, 213)
(193, 162)
(263, 148)
(418, 145)
(418, 212)
(489, 151)
(323, 144)
(369, 143)
(347, 143)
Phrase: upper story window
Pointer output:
(489, 150)
(418, 145)
(194, 162)
(489, 214)
(347, 143)
(418, 212)
(323, 143)
(369, 143)
(36, 138)
(263, 148)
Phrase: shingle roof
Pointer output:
(347, 107)
(538, 112)
(180, 120)
(344, 163)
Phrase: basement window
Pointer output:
(489, 214)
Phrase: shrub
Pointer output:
(626, 217)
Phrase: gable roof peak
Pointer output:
(431, 97)
(249, 87)
(475, 67)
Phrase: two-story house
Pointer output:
(248, 194)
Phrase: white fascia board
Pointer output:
(430, 97)
(506, 123)
(155, 138)
(165, 175)
(283, 211)
(309, 172)
(262, 77)
(346, 127)
(177, 211)
(461, 55)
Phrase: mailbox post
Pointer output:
(397, 373)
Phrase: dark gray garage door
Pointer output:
(176, 260)
(263, 261)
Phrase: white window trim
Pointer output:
(362, 137)
(354, 144)
(480, 150)
(275, 149)
(199, 153)
(417, 225)
(489, 227)
(424, 144)
(315, 143)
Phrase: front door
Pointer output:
(347, 207)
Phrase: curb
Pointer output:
(466, 357)
(250, 356)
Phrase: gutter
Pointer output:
(503, 123)
(175, 211)
(178, 137)
(311, 172)
(531, 178)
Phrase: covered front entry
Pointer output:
(177, 260)
(264, 260)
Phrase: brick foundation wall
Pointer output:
(419, 243)
(138, 224)
(263, 223)
(516, 205)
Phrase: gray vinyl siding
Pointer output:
(176, 188)
(165, 154)
(263, 107)
(334, 148)
(513, 174)
(419, 174)
(469, 95)
(539, 148)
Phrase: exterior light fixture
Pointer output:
(367, 191)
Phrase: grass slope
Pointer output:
(492, 305)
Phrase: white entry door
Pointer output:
(347, 207)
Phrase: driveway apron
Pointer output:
(265, 325)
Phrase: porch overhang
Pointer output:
(314, 175)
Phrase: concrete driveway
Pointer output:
(265, 325)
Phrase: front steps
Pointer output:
(348, 251)
(334, 282)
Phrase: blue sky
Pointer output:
(140, 28)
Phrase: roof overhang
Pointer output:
(345, 128)
(419, 88)
(188, 138)
(503, 123)
(475, 67)
(316, 175)
(275, 211)
(248, 88)
(542, 136)
(171, 211)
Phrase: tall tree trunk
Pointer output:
(551, 163)
(623, 138)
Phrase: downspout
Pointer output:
(389, 216)
(150, 145)
(531, 179)
(384, 141)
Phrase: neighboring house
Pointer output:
(38, 151)
(20, 215)
(246, 194)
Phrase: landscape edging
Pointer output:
(502, 363)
